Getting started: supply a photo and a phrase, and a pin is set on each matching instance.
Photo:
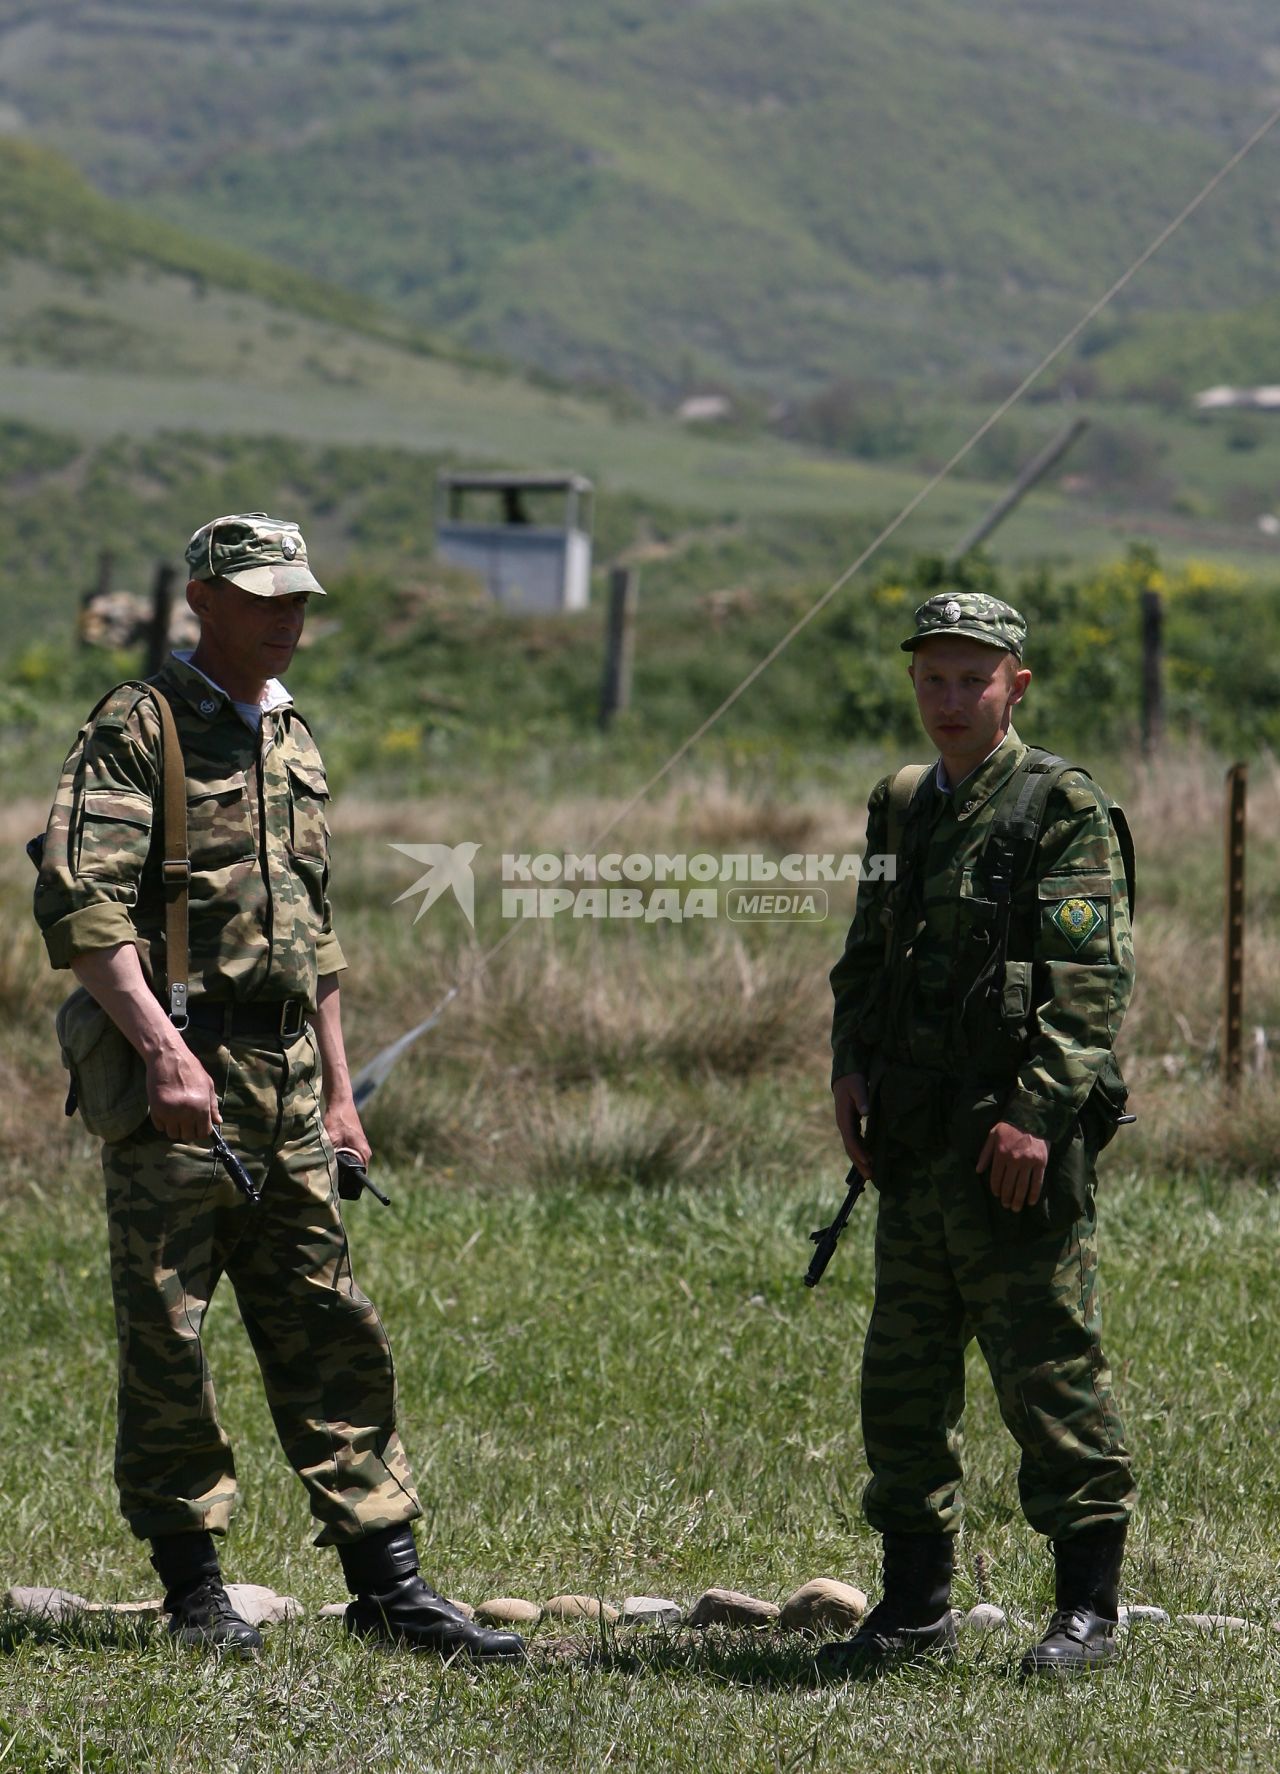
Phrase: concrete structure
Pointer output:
(1263, 399)
(527, 565)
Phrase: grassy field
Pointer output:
(605, 1163)
(623, 1389)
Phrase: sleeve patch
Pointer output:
(1076, 919)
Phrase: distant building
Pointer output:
(704, 409)
(527, 562)
(1263, 399)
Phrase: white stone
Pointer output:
(578, 1607)
(508, 1610)
(1214, 1622)
(985, 1617)
(333, 1611)
(64, 1604)
(651, 1610)
(824, 1601)
(45, 1604)
(1138, 1616)
(261, 1606)
(730, 1607)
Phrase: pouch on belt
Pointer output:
(108, 1077)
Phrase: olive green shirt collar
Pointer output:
(976, 789)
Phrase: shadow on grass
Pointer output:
(741, 1659)
(78, 1632)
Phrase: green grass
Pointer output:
(664, 194)
(628, 1390)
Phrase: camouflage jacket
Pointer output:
(259, 920)
(1070, 948)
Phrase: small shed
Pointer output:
(499, 526)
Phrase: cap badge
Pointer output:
(288, 547)
(208, 706)
(951, 611)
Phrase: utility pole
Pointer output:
(1034, 471)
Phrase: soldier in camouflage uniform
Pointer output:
(263, 1058)
(976, 1004)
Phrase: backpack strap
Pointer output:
(902, 792)
(1124, 837)
(1010, 847)
(902, 787)
(1007, 852)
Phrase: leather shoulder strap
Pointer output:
(175, 870)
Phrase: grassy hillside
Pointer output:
(660, 193)
(146, 380)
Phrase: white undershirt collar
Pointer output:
(274, 694)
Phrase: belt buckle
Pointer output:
(293, 1019)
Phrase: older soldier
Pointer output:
(976, 1005)
(263, 1059)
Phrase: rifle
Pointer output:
(827, 1237)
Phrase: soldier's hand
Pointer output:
(342, 1124)
(181, 1094)
(1017, 1162)
(850, 1093)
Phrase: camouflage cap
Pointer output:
(261, 554)
(972, 614)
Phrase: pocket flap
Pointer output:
(219, 789)
(310, 773)
(1076, 887)
(128, 806)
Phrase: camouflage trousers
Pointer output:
(952, 1264)
(177, 1224)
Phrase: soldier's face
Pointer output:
(254, 636)
(966, 693)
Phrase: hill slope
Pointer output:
(658, 191)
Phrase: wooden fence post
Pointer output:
(1152, 671)
(161, 605)
(1233, 994)
(615, 691)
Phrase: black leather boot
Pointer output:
(199, 1608)
(393, 1606)
(1082, 1632)
(913, 1619)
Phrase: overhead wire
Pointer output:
(372, 1075)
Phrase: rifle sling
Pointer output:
(175, 869)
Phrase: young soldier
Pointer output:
(976, 1004)
(262, 1056)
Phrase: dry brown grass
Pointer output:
(661, 1053)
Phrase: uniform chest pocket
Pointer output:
(219, 822)
(308, 800)
(112, 833)
(975, 926)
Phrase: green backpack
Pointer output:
(1006, 858)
